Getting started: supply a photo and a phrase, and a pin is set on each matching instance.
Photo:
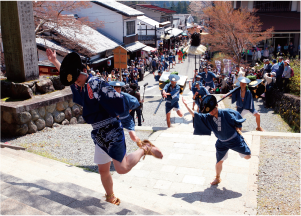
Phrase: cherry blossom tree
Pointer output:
(232, 31)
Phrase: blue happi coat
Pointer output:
(202, 92)
(101, 105)
(172, 100)
(130, 103)
(208, 78)
(224, 129)
(193, 88)
(248, 102)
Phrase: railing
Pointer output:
(275, 6)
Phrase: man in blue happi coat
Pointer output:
(200, 92)
(130, 103)
(197, 78)
(225, 124)
(171, 92)
(244, 101)
(208, 77)
(101, 107)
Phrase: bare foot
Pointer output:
(216, 180)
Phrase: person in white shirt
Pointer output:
(258, 55)
(266, 53)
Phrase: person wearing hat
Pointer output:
(286, 74)
(224, 123)
(208, 77)
(244, 101)
(171, 92)
(101, 107)
(197, 78)
(131, 103)
(200, 92)
(270, 80)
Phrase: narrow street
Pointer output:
(153, 94)
(186, 69)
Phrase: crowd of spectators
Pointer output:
(274, 74)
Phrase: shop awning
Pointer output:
(132, 47)
(101, 60)
(149, 49)
(173, 32)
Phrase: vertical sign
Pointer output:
(19, 41)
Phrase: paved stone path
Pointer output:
(177, 184)
(188, 167)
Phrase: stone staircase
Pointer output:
(31, 184)
(179, 184)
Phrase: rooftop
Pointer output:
(153, 7)
(50, 44)
(119, 8)
(132, 47)
(148, 20)
(88, 38)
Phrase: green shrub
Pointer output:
(294, 82)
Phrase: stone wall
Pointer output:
(288, 106)
(31, 121)
(32, 115)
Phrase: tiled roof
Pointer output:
(132, 47)
(119, 8)
(88, 38)
(49, 44)
(153, 7)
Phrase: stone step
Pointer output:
(77, 198)
(11, 207)
(64, 176)
(32, 202)
(130, 194)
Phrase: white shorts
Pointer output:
(245, 111)
(226, 156)
(100, 156)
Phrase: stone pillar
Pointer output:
(19, 41)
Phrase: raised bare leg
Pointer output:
(179, 112)
(129, 161)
